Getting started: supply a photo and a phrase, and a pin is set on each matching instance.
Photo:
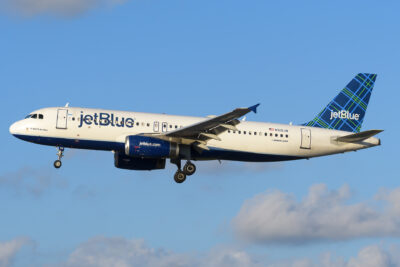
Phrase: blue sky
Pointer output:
(197, 58)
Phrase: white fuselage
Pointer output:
(253, 141)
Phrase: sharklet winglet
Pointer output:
(254, 108)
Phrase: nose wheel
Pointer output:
(60, 153)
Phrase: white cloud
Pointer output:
(116, 251)
(31, 181)
(323, 215)
(9, 249)
(55, 7)
(121, 252)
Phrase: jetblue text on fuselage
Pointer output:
(105, 119)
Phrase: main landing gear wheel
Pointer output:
(179, 176)
(60, 154)
(189, 168)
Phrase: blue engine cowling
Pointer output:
(130, 163)
(149, 147)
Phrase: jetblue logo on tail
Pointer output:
(344, 114)
(346, 111)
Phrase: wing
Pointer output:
(199, 133)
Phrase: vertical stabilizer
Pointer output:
(347, 110)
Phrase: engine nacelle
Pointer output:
(149, 147)
(125, 162)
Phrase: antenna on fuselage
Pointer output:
(67, 105)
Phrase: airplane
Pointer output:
(144, 141)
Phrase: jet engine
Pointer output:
(131, 163)
(150, 147)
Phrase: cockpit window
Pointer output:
(35, 116)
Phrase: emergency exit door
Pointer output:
(156, 127)
(305, 138)
(164, 127)
(62, 119)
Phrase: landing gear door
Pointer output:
(305, 138)
(62, 118)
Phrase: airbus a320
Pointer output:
(144, 141)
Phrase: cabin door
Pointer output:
(62, 118)
(305, 138)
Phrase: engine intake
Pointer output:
(150, 147)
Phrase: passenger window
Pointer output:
(266, 134)
(276, 135)
(229, 131)
(281, 135)
(249, 133)
(170, 126)
(239, 132)
(137, 124)
(148, 124)
(270, 134)
(287, 136)
(34, 116)
(41, 116)
(176, 126)
(244, 132)
(255, 133)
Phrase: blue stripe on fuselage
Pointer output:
(225, 154)
(73, 143)
(213, 153)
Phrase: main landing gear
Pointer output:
(60, 154)
(188, 169)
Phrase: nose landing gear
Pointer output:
(60, 153)
(188, 169)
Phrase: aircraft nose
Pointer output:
(14, 128)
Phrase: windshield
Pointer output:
(35, 116)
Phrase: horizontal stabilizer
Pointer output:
(357, 137)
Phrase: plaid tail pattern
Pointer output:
(347, 110)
